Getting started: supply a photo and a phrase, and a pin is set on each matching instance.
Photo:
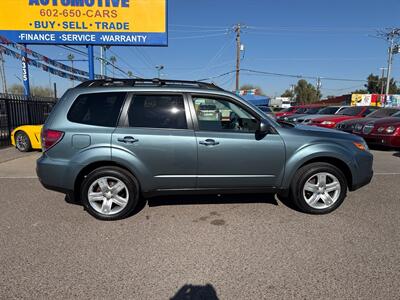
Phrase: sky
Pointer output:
(334, 39)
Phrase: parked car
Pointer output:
(383, 132)
(301, 109)
(152, 141)
(289, 111)
(26, 138)
(348, 113)
(351, 125)
(306, 118)
(309, 111)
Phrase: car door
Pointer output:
(157, 139)
(230, 154)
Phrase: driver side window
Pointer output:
(215, 114)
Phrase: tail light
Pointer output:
(50, 138)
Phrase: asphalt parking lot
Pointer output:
(208, 247)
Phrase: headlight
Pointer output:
(380, 129)
(285, 118)
(294, 119)
(390, 129)
(328, 123)
(358, 127)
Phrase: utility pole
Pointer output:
(393, 48)
(102, 61)
(71, 58)
(237, 29)
(382, 84)
(319, 84)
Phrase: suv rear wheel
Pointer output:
(318, 188)
(109, 193)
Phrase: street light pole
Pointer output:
(159, 68)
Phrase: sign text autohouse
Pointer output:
(88, 22)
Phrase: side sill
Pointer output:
(211, 191)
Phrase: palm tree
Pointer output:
(71, 58)
(113, 60)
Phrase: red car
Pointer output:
(348, 113)
(300, 109)
(384, 132)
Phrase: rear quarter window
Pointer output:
(98, 109)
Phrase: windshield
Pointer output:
(384, 112)
(397, 115)
(301, 110)
(351, 111)
(330, 110)
(312, 110)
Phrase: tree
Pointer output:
(288, 93)
(130, 74)
(40, 91)
(305, 92)
(17, 89)
(252, 87)
(374, 86)
(113, 60)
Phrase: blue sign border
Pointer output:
(86, 38)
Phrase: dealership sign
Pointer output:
(85, 22)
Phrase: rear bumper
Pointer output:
(54, 174)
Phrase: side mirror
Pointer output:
(264, 128)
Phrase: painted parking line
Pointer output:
(386, 174)
(18, 177)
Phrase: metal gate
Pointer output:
(17, 110)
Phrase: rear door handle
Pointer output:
(128, 140)
(209, 142)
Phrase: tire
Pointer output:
(22, 142)
(310, 195)
(114, 193)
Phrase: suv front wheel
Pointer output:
(318, 188)
(109, 193)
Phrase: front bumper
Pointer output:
(382, 140)
(362, 172)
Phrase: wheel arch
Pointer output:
(98, 164)
(338, 162)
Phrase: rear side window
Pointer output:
(100, 109)
(157, 111)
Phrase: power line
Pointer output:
(198, 36)
(217, 76)
(302, 76)
(125, 62)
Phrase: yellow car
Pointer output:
(27, 137)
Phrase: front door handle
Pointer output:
(128, 140)
(209, 142)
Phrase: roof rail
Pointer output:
(109, 82)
